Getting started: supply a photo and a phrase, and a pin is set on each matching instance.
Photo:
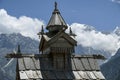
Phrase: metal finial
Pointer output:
(19, 51)
(55, 5)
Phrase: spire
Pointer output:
(70, 31)
(42, 30)
(41, 33)
(55, 5)
(56, 22)
(19, 51)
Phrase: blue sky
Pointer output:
(104, 15)
(27, 17)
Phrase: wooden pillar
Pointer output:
(17, 71)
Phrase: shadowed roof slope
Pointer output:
(83, 67)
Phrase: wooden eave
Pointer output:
(80, 67)
(42, 42)
(62, 34)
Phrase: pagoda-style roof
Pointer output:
(40, 67)
(46, 41)
(56, 19)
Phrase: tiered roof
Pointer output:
(57, 60)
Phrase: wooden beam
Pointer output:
(95, 56)
(25, 55)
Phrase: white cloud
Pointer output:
(88, 37)
(25, 25)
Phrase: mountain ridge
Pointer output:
(9, 43)
(111, 69)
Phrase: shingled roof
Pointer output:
(56, 19)
(47, 41)
(82, 67)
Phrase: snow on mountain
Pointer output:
(110, 68)
(117, 31)
(8, 43)
(89, 41)
(88, 36)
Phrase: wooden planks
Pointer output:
(41, 68)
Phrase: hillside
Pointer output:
(9, 42)
(111, 68)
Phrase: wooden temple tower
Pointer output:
(57, 58)
(56, 43)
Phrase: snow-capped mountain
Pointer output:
(88, 27)
(8, 44)
(117, 31)
(111, 68)
(89, 50)
(10, 41)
